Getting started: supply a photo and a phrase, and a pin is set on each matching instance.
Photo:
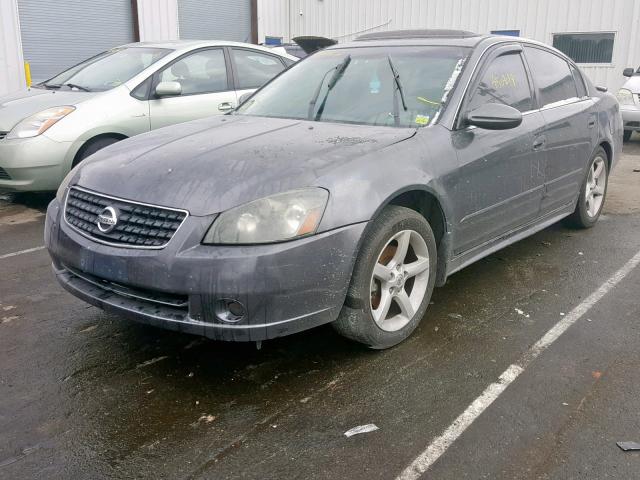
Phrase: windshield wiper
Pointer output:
(396, 79)
(48, 85)
(338, 71)
(78, 87)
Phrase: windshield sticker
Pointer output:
(374, 85)
(422, 120)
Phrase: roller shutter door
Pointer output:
(215, 20)
(59, 34)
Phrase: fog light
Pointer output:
(230, 311)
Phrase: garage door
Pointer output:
(215, 20)
(57, 35)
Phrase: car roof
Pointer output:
(193, 44)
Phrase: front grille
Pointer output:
(137, 226)
(3, 134)
(150, 296)
(4, 175)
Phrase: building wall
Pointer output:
(536, 19)
(158, 20)
(11, 61)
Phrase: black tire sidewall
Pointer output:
(95, 146)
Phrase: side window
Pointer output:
(551, 76)
(577, 76)
(201, 72)
(255, 68)
(504, 81)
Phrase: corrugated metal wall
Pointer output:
(57, 35)
(11, 62)
(158, 20)
(537, 19)
(215, 20)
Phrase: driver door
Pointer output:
(500, 179)
(206, 85)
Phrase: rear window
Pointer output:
(552, 77)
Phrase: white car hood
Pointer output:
(633, 84)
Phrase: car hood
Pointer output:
(633, 84)
(210, 165)
(18, 106)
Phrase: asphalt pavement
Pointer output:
(85, 394)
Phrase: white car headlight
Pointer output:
(40, 122)
(625, 97)
(277, 218)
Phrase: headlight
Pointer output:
(40, 122)
(625, 97)
(272, 219)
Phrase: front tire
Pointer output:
(627, 135)
(592, 192)
(393, 280)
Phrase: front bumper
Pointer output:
(32, 164)
(285, 288)
(631, 117)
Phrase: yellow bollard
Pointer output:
(27, 73)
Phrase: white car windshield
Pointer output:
(392, 86)
(108, 69)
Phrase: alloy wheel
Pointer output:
(595, 188)
(399, 281)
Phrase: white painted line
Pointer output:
(440, 444)
(22, 252)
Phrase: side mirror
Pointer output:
(494, 116)
(168, 89)
(628, 72)
(244, 97)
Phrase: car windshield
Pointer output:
(392, 86)
(108, 69)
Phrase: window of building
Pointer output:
(586, 47)
(551, 76)
(504, 81)
(508, 33)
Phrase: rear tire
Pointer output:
(627, 135)
(385, 307)
(592, 193)
(93, 146)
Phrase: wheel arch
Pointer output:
(427, 203)
(608, 149)
(89, 141)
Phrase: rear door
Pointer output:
(571, 126)
(501, 173)
(253, 68)
(207, 89)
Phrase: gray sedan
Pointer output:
(341, 192)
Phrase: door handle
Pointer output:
(538, 143)
(592, 123)
(225, 107)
